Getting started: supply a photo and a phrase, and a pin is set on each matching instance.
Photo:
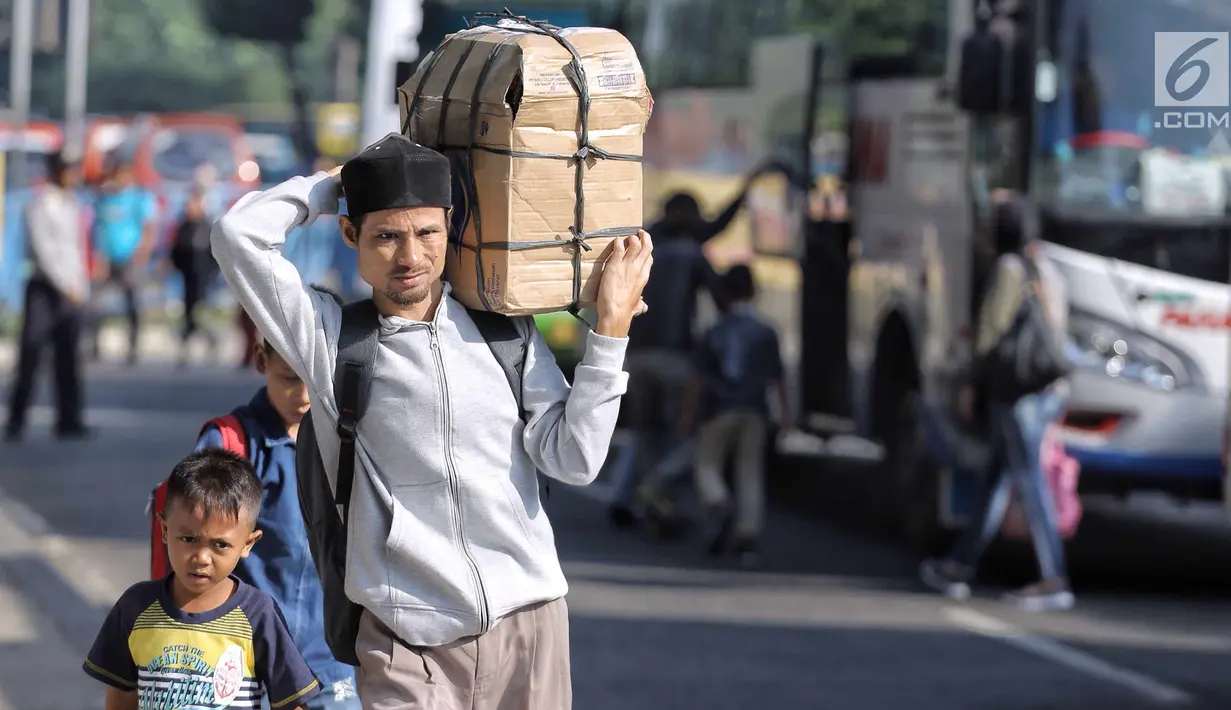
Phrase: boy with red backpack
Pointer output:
(265, 431)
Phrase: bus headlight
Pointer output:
(1121, 352)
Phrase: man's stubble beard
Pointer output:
(409, 297)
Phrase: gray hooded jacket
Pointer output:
(447, 532)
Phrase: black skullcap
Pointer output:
(393, 173)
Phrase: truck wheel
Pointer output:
(915, 479)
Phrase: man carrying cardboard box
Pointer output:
(450, 556)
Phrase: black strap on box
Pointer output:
(585, 148)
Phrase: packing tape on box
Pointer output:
(585, 149)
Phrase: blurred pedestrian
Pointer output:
(660, 351)
(190, 256)
(55, 298)
(738, 363)
(125, 223)
(1027, 292)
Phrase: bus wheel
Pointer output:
(916, 480)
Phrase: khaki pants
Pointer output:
(743, 432)
(521, 664)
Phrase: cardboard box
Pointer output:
(502, 101)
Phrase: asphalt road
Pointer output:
(835, 619)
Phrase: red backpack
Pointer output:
(233, 439)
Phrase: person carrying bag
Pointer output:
(1020, 370)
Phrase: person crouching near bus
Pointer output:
(738, 362)
(1017, 425)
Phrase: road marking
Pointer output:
(18, 626)
(27, 532)
(1071, 658)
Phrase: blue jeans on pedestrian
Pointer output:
(1018, 431)
(334, 696)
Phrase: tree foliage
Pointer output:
(163, 55)
(709, 42)
(276, 21)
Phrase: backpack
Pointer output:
(190, 239)
(326, 515)
(1030, 355)
(234, 439)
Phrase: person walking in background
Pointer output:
(125, 220)
(55, 296)
(190, 256)
(737, 363)
(660, 347)
(1023, 278)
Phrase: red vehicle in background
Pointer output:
(172, 146)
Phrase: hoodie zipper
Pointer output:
(455, 485)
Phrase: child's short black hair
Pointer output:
(738, 284)
(217, 482)
(269, 348)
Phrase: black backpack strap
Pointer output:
(357, 346)
(509, 344)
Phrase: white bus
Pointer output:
(881, 303)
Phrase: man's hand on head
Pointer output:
(625, 274)
(327, 193)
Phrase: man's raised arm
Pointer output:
(569, 431)
(296, 319)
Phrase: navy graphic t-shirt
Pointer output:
(175, 660)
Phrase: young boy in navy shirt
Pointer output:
(281, 566)
(201, 638)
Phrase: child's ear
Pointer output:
(260, 357)
(252, 538)
(162, 524)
